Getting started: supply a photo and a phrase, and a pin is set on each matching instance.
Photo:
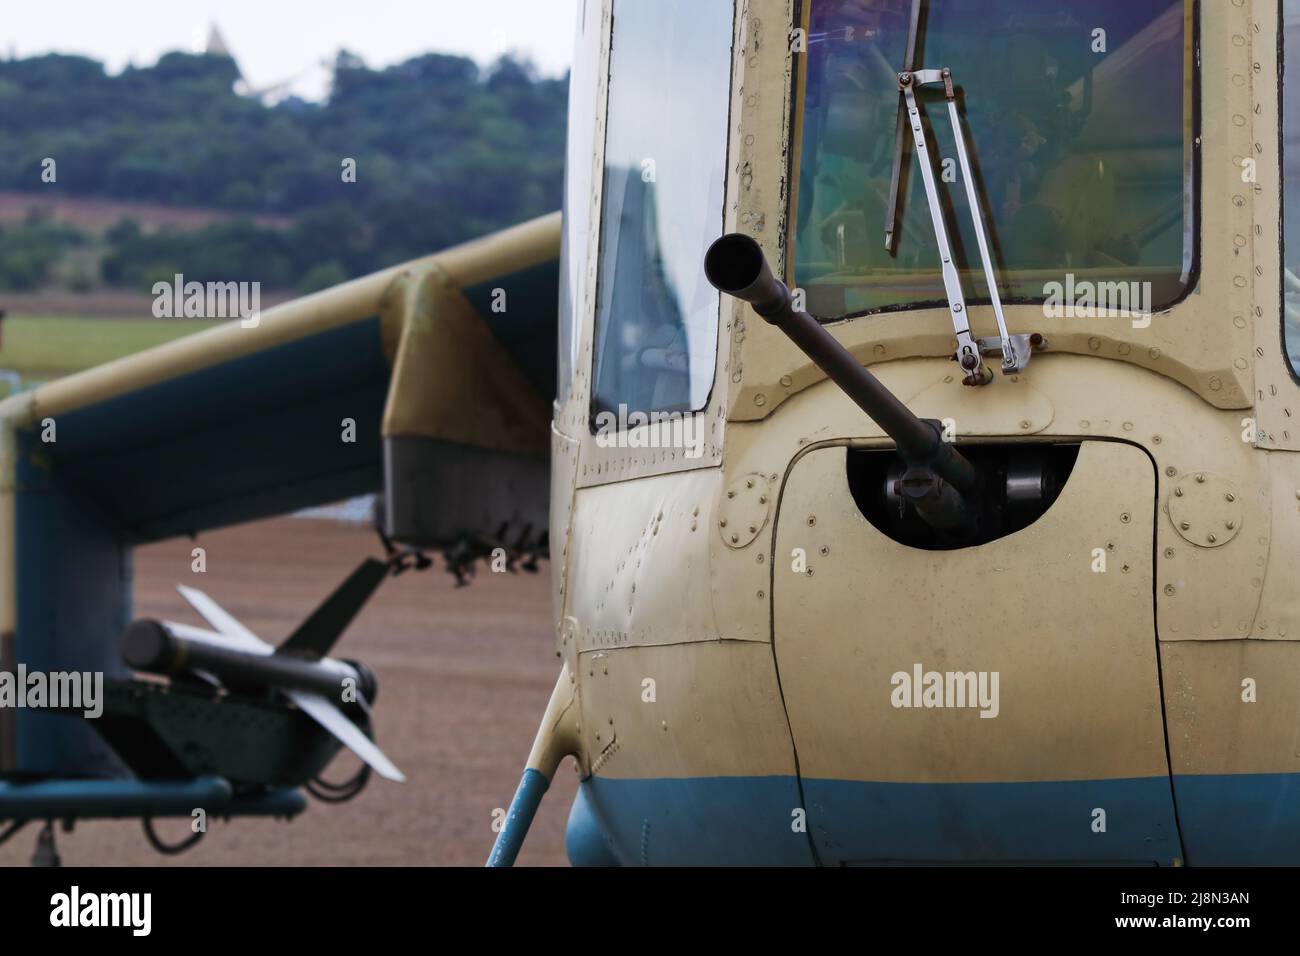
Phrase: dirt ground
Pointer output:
(464, 675)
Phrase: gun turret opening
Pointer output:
(1019, 481)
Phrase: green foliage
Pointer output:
(322, 277)
(28, 252)
(444, 151)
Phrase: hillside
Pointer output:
(443, 150)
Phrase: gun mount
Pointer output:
(938, 481)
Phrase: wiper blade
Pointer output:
(900, 131)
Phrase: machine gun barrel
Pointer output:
(155, 648)
(939, 482)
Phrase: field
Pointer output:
(464, 676)
(41, 347)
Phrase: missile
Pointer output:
(169, 650)
(298, 668)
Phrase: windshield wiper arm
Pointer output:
(1015, 349)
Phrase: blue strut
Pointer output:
(519, 818)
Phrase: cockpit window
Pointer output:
(1291, 181)
(665, 164)
(1078, 117)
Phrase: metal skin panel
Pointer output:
(639, 571)
(696, 768)
(1078, 694)
(1236, 761)
(1278, 616)
(1213, 729)
(713, 710)
(564, 466)
(1195, 586)
(1076, 650)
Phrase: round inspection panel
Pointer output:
(744, 510)
(1205, 509)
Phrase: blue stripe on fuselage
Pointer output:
(1239, 819)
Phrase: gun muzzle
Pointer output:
(940, 482)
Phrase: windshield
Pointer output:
(1079, 122)
(656, 323)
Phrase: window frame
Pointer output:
(1192, 161)
(1284, 345)
(597, 251)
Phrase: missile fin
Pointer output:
(352, 737)
(218, 617)
(315, 636)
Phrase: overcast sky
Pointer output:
(277, 40)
